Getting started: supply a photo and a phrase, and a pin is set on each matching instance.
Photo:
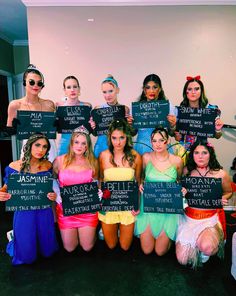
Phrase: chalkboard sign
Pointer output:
(70, 117)
(123, 196)
(29, 192)
(80, 199)
(104, 116)
(198, 122)
(35, 121)
(163, 197)
(150, 114)
(203, 192)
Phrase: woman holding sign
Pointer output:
(110, 91)
(72, 91)
(152, 91)
(158, 230)
(33, 230)
(201, 230)
(194, 96)
(33, 82)
(78, 166)
(119, 163)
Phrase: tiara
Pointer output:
(81, 129)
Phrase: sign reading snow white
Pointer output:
(29, 192)
(203, 192)
(31, 122)
(198, 122)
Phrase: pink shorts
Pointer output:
(75, 221)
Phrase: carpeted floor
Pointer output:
(104, 272)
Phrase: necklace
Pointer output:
(161, 160)
(38, 102)
(200, 174)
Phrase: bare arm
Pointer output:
(226, 186)
(138, 168)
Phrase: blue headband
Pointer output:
(110, 79)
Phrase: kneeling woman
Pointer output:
(158, 230)
(78, 166)
(200, 233)
(33, 230)
(119, 163)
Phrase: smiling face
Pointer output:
(118, 140)
(159, 142)
(110, 92)
(71, 89)
(201, 156)
(33, 84)
(152, 90)
(193, 92)
(39, 148)
(79, 146)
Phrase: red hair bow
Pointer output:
(198, 77)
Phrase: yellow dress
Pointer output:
(123, 217)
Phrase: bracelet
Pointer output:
(218, 131)
(173, 127)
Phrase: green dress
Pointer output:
(158, 221)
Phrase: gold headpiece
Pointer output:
(81, 129)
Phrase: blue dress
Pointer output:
(34, 232)
(143, 141)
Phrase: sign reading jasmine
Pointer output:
(120, 196)
(203, 192)
(31, 122)
(70, 117)
(150, 114)
(198, 122)
(104, 116)
(29, 192)
(163, 197)
(80, 199)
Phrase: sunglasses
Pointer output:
(39, 83)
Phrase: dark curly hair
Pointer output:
(122, 125)
(203, 101)
(213, 162)
(156, 79)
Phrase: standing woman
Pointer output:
(194, 96)
(119, 163)
(158, 230)
(77, 166)
(72, 91)
(152, 91)
(200, 233)
(110, 91)
(33, 81)
(33, 230)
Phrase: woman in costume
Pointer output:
(201, 231)
(77, 166)
(33, 230)
(119, 163)
(72, 91)
(158, 230)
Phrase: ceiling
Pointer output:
(13, 15)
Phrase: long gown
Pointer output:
(158, 221)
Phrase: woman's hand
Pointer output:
(141, 188)
(218, 124)
(52, 196)
(135, 213)
(225, 201)
(172, 121)
(184, 191)
(130, 119)
(4, 196)
(177, 136)
(92, 123)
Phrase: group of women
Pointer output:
(198, 233)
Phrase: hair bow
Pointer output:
(198, 77)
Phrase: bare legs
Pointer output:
(110, 232)
(84, 236)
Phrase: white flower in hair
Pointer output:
(81, 129)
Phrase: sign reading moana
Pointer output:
(104, 116)
(29, 192)
(150, 114)
(120, 196)
(31, 122)
(198, 122)
(203, 192)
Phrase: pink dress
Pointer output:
(69, 177)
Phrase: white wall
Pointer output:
(132, 42)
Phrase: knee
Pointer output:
(87, 247)
(69, 248)
(111, 245)
(181, 258)
(146, 250)
(161, 252)
(124, 246)
(208, 248)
